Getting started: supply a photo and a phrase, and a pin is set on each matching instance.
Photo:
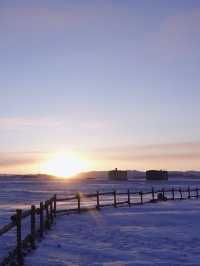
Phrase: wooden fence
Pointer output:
(43, 216)
(86, 202)
(41, 219)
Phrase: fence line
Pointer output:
(46, 218)
(47, 212)
(113, 198)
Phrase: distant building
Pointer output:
(156, 175)
(117, 175)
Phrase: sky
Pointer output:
(115, 83)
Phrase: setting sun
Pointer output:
(64, 165)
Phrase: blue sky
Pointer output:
(93, 76)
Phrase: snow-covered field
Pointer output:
(121, 235)
(167, 233)
(21, 193)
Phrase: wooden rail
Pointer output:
(79, 202)
(43, 216)
(46, 218)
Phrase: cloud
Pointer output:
(174, 156)
(10, 123)
(153, 152)
(171, 156)
(10, 159)
(13, 161)
(153, 157)
(22, 162)
(150, 147)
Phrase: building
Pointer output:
(156, 175)
(117, 175)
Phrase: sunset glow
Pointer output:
(119, 87)
(64, 165)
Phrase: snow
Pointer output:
(22, 192)
(140, 235)
(167, 233)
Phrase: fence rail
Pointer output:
(85, 202)
(43, 216)
(46, 213)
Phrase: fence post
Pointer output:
(33, 231)
(51, 210)
(173, 197)
(115, 198)
(129, 198)
(54, 205)
(153, 194)
(141, 197)
(98, 203)
(19, 237)
(163, 193)
(197, 192)
(189, 196)
(180, 191)
(41, 219)
(47, 223)
(79, 201)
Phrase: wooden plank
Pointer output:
(41, 219)
(6, 228)
(121, 193)
(66, 199)
(189, 192)
(141, 197)
(33, 226)
(78, 197)
(181, 195)
(51, 211)
(110, 193)
(134, 193)
(153, 194)
(173, 194)
(54, 205)
(98, 201)
(122, 202)
(115, 198)
(129, 198)
(19, 237)
(197, 192)
(24, 214)
(47, 222)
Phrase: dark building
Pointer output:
(117, 175)
(156, 175)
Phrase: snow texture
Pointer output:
(167, 233)
(153, 234)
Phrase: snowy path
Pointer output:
(154, 234)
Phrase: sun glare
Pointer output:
(64, 165)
